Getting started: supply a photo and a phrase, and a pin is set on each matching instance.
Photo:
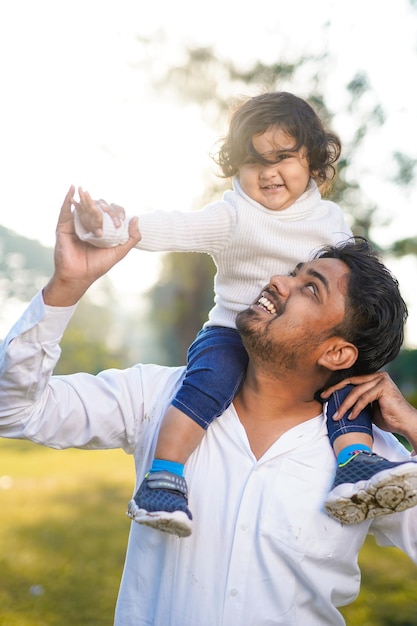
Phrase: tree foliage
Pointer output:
(180, 302)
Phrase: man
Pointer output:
(263, 551)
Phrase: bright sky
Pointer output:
(76, 105)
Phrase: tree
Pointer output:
(180, 301)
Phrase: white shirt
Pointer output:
(262, 552)
(248, 242)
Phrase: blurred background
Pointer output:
(128, 100)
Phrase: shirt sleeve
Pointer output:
(208, 230)
(397, 529)
(78, 410)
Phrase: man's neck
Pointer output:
(268, 408)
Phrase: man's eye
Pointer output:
(312, 287)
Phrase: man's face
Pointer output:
(294, 315)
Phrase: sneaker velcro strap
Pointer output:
(167, 480)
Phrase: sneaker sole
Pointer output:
(389, 491)
(176, 523)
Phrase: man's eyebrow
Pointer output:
(319, 277)
(312, 272)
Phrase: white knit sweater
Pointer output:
(247, 242)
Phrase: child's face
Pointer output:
(275, 186)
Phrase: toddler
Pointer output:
(278, 154)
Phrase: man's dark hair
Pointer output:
(295, 117)
(375, 311)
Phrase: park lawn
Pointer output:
(63, 535)
(388, 594)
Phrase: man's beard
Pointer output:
(263, 348)
(268, 350)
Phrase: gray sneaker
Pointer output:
(367, 486)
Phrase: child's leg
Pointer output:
(366, 485)
(178, 437)
(216, 369)
(347, 436)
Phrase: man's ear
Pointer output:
(338, 355)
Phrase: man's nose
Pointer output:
(282, 284)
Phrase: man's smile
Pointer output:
(266, 304)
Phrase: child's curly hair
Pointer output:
(294, 116)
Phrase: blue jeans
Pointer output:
(363, 423)
(216, 369)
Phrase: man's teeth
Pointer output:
(264, 303)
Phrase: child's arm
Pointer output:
(209, 230)
(99, 223)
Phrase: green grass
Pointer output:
(388, 595)
(63, 535)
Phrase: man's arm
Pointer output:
(391, 410)
(78, 410)
(77, 264)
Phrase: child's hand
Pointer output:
(90, 213)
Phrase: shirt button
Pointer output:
(234, 592)
(244, 527)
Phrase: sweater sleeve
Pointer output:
(208, 230)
